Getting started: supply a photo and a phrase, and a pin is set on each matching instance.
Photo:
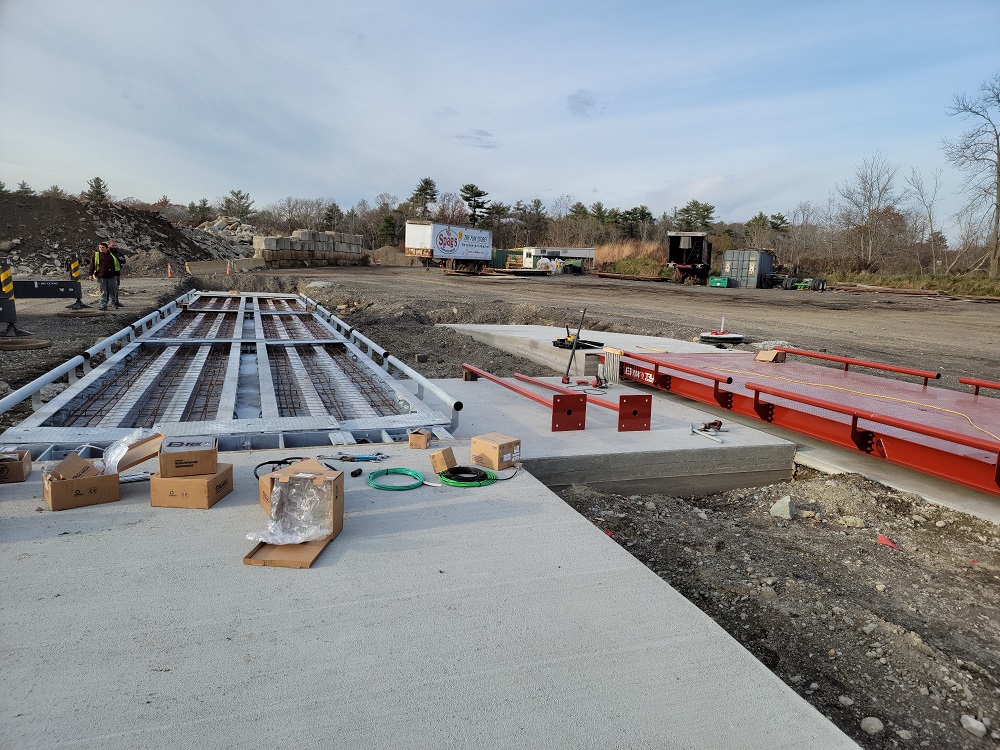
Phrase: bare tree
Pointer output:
(869, 206)
(977, 154)
(925, 196)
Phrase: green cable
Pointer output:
(395, 487)
(489, 479)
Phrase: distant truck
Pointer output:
(463, 248)
(570, 259)
(690, 256)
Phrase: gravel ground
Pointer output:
(898, 647)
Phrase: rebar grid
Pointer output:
(204, 401)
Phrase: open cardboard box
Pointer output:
(200, 492)
(299, 555)
(266, 481)
(76, 482)
(15, 470)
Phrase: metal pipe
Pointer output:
(902, 424)
(848, 361)
(595, 400)
(420, 380)
(31, 389)
(500, 381)
(680, 368)
(976, 383)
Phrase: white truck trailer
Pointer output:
(456, 247)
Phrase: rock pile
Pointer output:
(230, 229)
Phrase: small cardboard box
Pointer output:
(266, 481)
(15, 469)
(769, 355)
(420, 438)
(76, 482)
(496, 451)
(443, 460)
(188, 456)
(201, 491)
(301, 555)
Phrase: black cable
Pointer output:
(277, 464)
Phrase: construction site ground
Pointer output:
(859, 629)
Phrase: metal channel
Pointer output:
(259, 370)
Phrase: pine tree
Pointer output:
(23, 188)
(54, 192)
(3, 188)
(423, 196)
(238, 205)
(199, 212)
(332, 217)
(97, 191)
(473, 196)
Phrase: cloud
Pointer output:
(477, 139)
(583, 103)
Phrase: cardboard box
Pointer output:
(769, 355)
(184, 456)
(443, 460)
(266, 481)
(15, 469)
(496, 451)
(420, 438)
(201, 491)
(301, 555)
(75, 482)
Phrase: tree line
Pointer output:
(873, 221)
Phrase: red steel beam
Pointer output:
(976, 384)
(635, 411)
(569, 411)
(848, 361)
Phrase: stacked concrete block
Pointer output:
(310, 247)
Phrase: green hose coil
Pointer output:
(395, 487)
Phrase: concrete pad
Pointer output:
(668, 459)
(440, 617)
(535, 343)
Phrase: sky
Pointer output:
(747, 105)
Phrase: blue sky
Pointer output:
(750, 106)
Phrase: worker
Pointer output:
(105, 268)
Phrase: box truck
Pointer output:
(449, 245)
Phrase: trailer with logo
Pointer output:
(448, 245)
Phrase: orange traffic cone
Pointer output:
(170, 271)
(229, 268)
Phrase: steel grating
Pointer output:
(949, 434)
(271, 369)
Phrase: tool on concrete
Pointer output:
(352, 457)
(705, 433)
(572, 351)
(356, 473)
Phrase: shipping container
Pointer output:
(748, 268)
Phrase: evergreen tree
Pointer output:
(199, 212)
(238, 205)
(473, 196)
(387, 230)
(696, 217)
(423, 196)
(579, 211)
(3, 188)
(54, 192)
(333, 217)
(97, 191)
(23, 188)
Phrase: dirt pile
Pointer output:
(39, 234)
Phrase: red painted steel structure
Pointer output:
(948, 434)
(569, 412)
(635, 412)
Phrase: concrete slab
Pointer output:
(535, 343)
(441, 617)
(668, 459)
(529, 342)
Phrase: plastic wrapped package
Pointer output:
(301, 511)
(117, 450)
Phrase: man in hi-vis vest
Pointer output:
(105, 268)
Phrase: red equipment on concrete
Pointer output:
(948, 434)
(634, 411)
(569, 412)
